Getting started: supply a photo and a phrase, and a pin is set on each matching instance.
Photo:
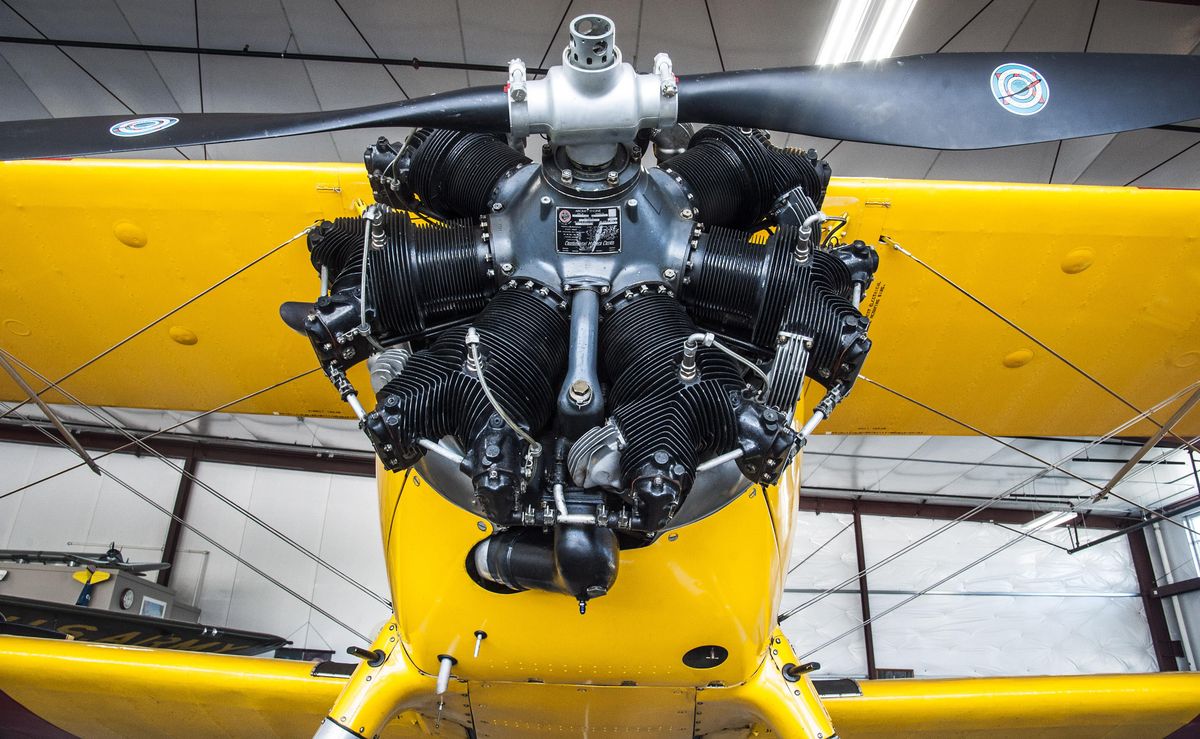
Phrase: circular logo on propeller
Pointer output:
(142, 126)
(1021, 90)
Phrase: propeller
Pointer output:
(954, 101)
(473, 109)
(936, 101)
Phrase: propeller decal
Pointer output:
(1021, 90)
(142, 126)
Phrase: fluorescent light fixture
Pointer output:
(863, 30)
(889, 24)
(1049, 521)
(843, 31)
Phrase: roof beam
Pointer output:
(247, 52)
(225, 451)
(941, 511)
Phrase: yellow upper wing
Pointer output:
(96, 249)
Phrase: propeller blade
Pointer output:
(954, 101)
(475, 109)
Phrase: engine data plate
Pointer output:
(588, 230)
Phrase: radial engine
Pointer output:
(582, 350)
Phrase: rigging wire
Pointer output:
(966, 293)
(868, 621)
(218, 545)
(166, 430)
(1103, 489)
(158, 320)
(818, 550)
(306, 552)
(980, 507)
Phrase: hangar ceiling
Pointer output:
(44, 80)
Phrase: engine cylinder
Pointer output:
(423, 279)
(668, 422)
(523, 340)
(750, 292)
(454, 173)
(735, 175)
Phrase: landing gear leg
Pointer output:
(385, 684)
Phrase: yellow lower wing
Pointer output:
(96, 249)
(91, 690)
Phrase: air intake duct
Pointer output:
(580, 561)
(734, 176)
(523, 346)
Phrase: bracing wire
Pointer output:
(213, 542)
(306, 552)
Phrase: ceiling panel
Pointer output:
(935, 22)
(96, 21)
(20, 102)
(1130, 155)
(1030, 163)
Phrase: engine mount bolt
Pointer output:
(546, 200)
(669, 274)
(580, 392)
(631, 203)
(612, 178)
(507, 268)
(497, 207)
(686, 214)
(566, 175)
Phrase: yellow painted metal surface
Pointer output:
(767, 701)
(1075, 706)
(96, 249)
(181, 694)
(512, 710)
(690, 588)
(1106, 276)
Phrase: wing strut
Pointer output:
(54, 419)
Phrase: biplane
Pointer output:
(592, 380)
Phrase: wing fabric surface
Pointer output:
(112, 692)
(1147, 705)
(1105, 276)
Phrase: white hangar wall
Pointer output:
(1032, 609)
(333, 516)
(80, 510)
